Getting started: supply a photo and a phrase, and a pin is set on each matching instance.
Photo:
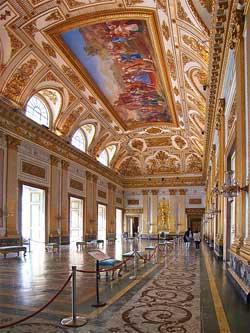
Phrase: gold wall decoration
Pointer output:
(171, 64)
(196, 46)
(20, 79)
(208, 4)
(16, 44)
(102, 194)
(133, 202)
(33, 170)
(130, 167)
(195, 201)
(162, 162)
(165, 30)
(159, 142)
(163, 215)
(193, 163)
(133, 211)
(118, 200)
(48, 49)
(76, 184)
(73, 77)
(182, 14)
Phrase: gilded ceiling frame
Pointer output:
(150, 16)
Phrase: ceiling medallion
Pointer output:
(153, 130)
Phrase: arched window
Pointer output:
(37, 111)
(79, 141)
(107, 154)
(89, 130)
(104, 158)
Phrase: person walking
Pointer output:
(197, 239)
(188, 237)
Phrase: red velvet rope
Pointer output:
(41, 309)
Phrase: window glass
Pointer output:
(78, 140)
(37, 111)
(103, 158)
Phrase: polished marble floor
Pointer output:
(172, 295)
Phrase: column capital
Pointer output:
(65, 165)
(54, 160)
(183, 191)
(111, 187)
(155, 192)
(95, 178)
(88, 175)
(172, 191)
(12, 142)
(145, 192)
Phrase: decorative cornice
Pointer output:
(12, 142)
(19, 126)
(65, 165)
(54, 160)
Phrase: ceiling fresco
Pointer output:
(134, 69)
(119, 57)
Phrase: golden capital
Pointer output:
(236, 28)
(88, 175)
(54, 160)
(12, 142)
(172, 191)
(65, 165)
(155, 192)
(95, 178)
(182, 191)
(145, 192)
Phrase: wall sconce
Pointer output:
(231, 188)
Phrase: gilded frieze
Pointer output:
(171, 64)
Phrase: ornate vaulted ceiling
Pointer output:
(135, 69)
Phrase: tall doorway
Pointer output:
(118, 220)
(101, 232)
(76, 219)
(33, 213)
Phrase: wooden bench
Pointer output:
(111, 263)
(10, 249)
(81, 244)
(52, 246)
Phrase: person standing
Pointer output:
(188, 237)
(197, 239)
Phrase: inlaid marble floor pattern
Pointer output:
(168, 302)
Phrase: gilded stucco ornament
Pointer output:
(130, 167)
(236, 28)
(220, 112)
(20, 79)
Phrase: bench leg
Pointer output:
(24, 253)
(18, 254)
(4, 255)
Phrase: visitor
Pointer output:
(188, 236)
(197, 239)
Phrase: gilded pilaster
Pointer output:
(154, 229)
(111, 209)
(172, 211)
(182, 212)
(55, 216)
(94, 204)
(88, 225)
(12, 190)
(237, 43)
(145, 218)
(220, 126)
(65, 204)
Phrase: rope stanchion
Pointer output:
(19, 321)
(98, 304)
(74, 321)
